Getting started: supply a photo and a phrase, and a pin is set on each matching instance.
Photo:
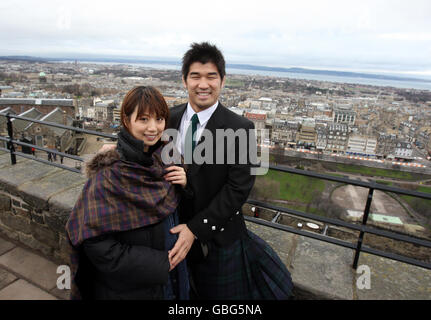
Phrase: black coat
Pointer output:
(214, 214)
(126, 265)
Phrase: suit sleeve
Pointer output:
(131, 264)
(228, 200)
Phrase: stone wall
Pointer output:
(36, 200)
(38, 229)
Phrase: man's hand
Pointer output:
(182, 246)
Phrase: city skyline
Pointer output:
(370, 36)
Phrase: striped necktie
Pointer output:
(190, 139)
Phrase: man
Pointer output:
(213, 221)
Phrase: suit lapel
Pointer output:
(176, 117)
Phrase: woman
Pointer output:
(119, 226)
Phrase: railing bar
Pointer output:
(47, 162)
(397, 257)
(367, 229)
(364, 223)
(62, 126)
(49, 150)
(302, 233)
(341, 243)
(10, 145)
(305, 215)
(396, 236)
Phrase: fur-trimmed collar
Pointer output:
(101, 160)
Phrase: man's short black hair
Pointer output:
(203, 52)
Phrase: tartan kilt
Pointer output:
(249, 269)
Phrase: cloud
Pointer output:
(334, 33)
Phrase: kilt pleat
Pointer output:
(249, 269)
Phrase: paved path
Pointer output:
(25, 275)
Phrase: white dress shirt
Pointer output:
(203, 117)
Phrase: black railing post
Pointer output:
(10, 145)
(364, 222)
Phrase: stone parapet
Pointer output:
(36, 200)
(35, 203)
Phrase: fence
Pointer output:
(363, 228)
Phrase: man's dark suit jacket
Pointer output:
(214, 214)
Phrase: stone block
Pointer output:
(15, 222)
(37, 217)
(26, 207)
(56, 221)
(48, 186)
(5, 202)
(393, 280)
(5, 160)
(8, 232)
(323, 269)
(39, 270)
(32, 243)
(12, 176)
(16, 203)
(6, 278)
(22, 213)
(63, 253)
(5, 246)
(62, 203)
(44, 235)
(23, 290)
(279, 240)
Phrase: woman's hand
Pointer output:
(176, 175)
(107, 147)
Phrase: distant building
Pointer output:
(322, 137)
(337, 138)
(307, 136)
(386, 144)
(344, 115)
(258, 117)
(5, 89)
(361, 145)
(42, 77)
(45, 106)
(52, 137)
(403, 150)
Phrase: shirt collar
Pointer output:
(203, 116)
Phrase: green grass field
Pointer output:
(294, 187)
(234, 83)
(377, 172)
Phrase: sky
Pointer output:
(386, 36)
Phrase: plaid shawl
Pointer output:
(119, 196)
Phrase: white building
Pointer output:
(362, 145)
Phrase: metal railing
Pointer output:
(363, 228)
(11, 142)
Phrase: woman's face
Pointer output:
(147, 127)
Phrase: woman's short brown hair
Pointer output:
(146, 99)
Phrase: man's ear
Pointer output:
(184, 82)
(223, 81)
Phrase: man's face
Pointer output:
(203, 84)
